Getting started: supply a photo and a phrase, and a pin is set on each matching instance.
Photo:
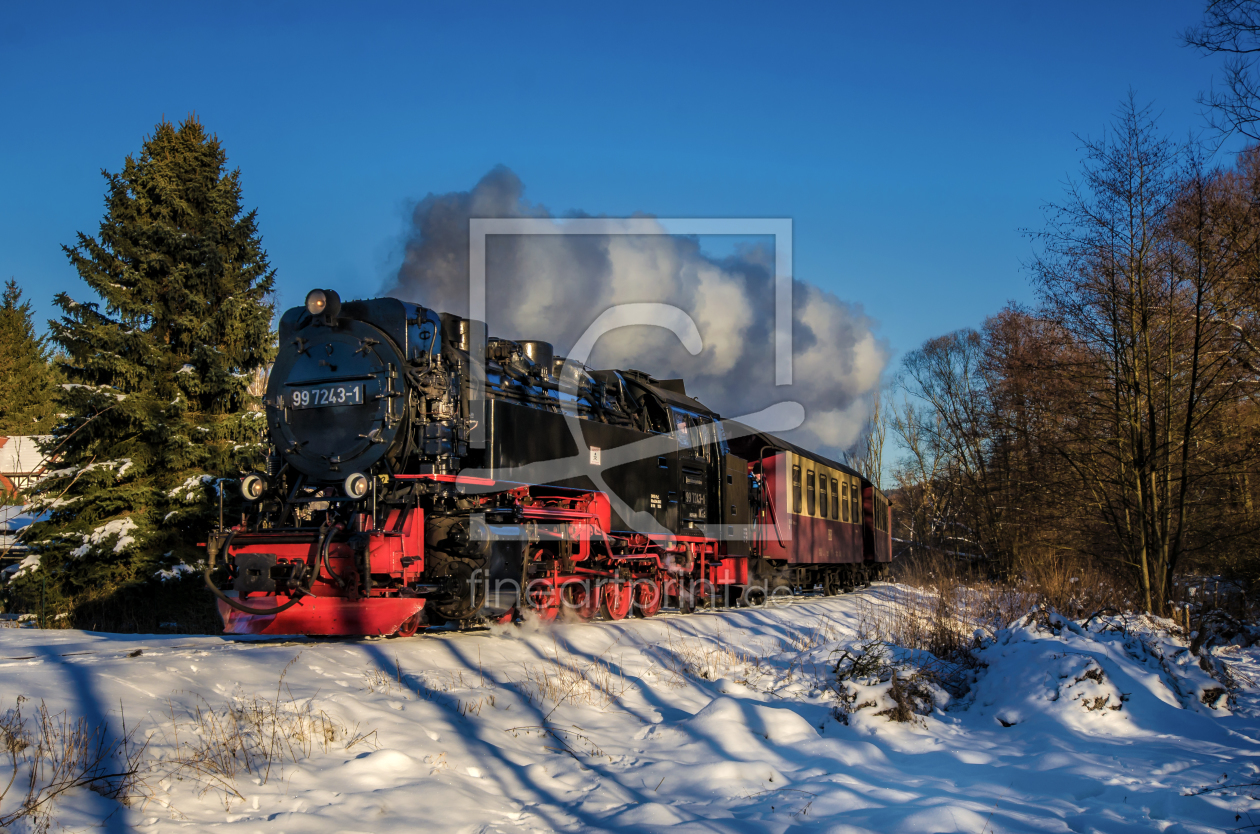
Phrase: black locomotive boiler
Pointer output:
(422, 473)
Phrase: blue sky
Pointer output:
(910, 146)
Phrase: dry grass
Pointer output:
(808, 639)
(57, 754)
(1078, 588)
(948, 604)
(213, 747)
(572, 742)
(758, 666)
(217, 745)
(947, 621)
(455, 689)
(1075, 587)
(376, 679)
(565, 679)
(709, 659)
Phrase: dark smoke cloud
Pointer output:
(552, 287)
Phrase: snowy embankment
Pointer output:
(712, 722)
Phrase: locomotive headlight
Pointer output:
(316, 302)
(253, 486)
(325, 302)
(356, 485)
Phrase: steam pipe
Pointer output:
(325, 543)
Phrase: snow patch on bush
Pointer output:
(175, 571)
(119, 527)
(191, 489)
(30, 564)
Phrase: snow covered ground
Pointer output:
(719, 721)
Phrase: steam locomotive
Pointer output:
(422, 473)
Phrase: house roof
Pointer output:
(20, 455)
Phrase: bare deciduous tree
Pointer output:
(867, 455)
(1232, 28)
(1133, 271)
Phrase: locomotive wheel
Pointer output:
(647, 597)
(470, 595)
(617, 598)
(410, 626)
(753, 597)
(580, 599)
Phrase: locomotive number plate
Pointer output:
(320, 396)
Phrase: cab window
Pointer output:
(708, 434)
(693, 432)
(699, 438)
(681, 430)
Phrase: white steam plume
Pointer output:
(551, 287)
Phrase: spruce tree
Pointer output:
(156, 400)
(27, 376)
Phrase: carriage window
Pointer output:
(835, 499)
(810, 498)
(857, 504)
(845, 488)
(822, 494)
(796, 489)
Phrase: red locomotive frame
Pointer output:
(570, 565)
(588, 579)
